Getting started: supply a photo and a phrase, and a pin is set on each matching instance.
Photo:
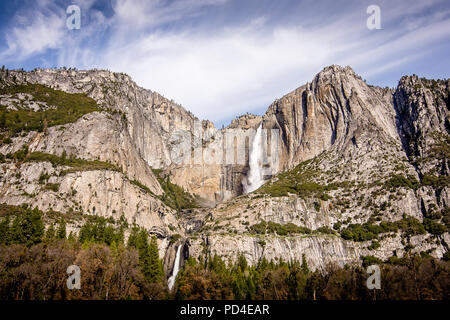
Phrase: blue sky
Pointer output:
(223, 58)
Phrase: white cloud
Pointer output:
(227, 70)
(45, 32)
(217, 76)
(138, 14)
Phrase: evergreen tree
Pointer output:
(61, 233)
(151, 265)
(51, 233)
(305, 267)
(71, 237)
(239, 285)
(217, 265)
(251, 288)
(242, 262)
(28, 227)
(132, 239)
(3, 120)
(5, 233)
(155, 270)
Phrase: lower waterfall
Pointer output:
(255, 177)
(176, 268)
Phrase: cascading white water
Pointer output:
(255, 177)
(176, 268)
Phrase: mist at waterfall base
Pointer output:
(176, 268)
(255, 177)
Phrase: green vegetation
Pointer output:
(269, 227)
(75, 163)
(300, 181)
(174, 238)
(434, 227)
(438, 182)
(399, 181)
(69, 108)
(142, 186)
(367, 231)
(374, 245)
(174, 196)
(369, 260)
(52, 187)
(213, 279)
(21, 225)
(151, 265)
(100, 230)
(279, 229)
(440, 150)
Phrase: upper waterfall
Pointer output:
(255, 177)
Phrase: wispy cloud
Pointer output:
(46, 31)
(220, 58)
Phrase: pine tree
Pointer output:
(61, 233)
(5, 233)
(155, 268)
(242, 262)
(251, 288)
(51, 233)
(132, 239)
(304, 264)
(28, 227)
(239, 285)
(151, 265)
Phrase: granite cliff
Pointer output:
(361, 170)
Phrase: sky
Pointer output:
(224, 58)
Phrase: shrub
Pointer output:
(374, 245)
(279, 229)
(174, 238)
(364, 232)
(7, 140)
(370, 260)
(69, 108)
(434, 227)
(435, 181)
(174, 196)
(399, 181)
(52, 186)
(75, 163)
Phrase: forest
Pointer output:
(34, 260)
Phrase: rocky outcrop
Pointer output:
(319, 251)
(423, 120)
(334, 112)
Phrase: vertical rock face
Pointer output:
(334, 111)
(423, 117)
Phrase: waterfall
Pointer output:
(255, 177)
(176, 268)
